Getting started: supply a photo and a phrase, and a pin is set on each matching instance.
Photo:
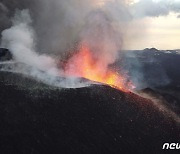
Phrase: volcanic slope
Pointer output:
(36, 118)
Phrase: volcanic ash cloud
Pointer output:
(69, 26)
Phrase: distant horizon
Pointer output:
(154, 48)
(155, 23)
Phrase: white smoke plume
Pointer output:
(59, 26)
(20, 39)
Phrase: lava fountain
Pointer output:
(83, 64)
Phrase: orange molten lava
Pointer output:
(83, 64)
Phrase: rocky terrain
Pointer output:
(36, 118)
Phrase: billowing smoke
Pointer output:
(46, 33)
(20, 40)
(58, 27)
(57, 23)
(102, 39)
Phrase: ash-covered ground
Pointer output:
(38, 118)
(98, 119)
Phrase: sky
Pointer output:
(156, 23)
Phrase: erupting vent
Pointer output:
(83, 64)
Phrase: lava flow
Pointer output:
(82, 64)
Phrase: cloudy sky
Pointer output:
(155, 23)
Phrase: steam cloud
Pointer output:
(47, 31)
(57, 27)
(20, 40)
(57, 23)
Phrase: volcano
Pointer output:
(36, 118)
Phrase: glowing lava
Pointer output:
(84, 65)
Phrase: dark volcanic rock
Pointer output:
(153, 68)
(96, 119)
(5, 54)
(169, 96)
